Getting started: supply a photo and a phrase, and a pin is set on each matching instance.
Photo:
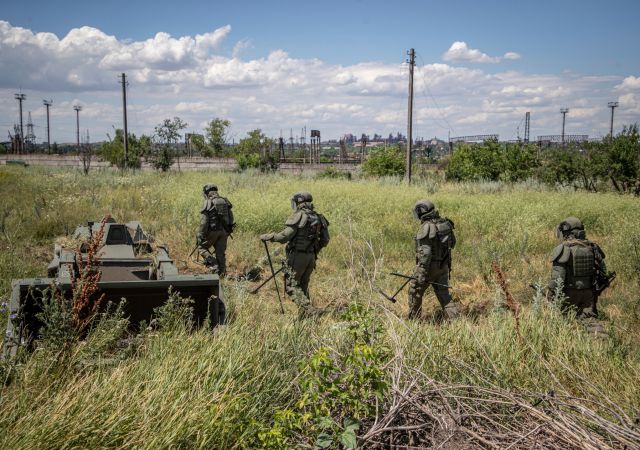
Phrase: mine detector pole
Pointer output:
(273, 275)
(412, 62)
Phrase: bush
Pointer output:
(333, 173)
(384, 162)
(255, 161)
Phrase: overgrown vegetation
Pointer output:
(359, 374)
(387, 161)
(591, 165)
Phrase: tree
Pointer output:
(385, 162)
(622, 161)
(255, 151)
(167, 135)
(113, 150)
(216, 133)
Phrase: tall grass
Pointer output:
(170, 387)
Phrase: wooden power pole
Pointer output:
(412, 62)
(124, 119)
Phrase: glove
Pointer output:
(266, 237)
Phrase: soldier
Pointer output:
(216, 224)
(306, 232)
(434, 242)
(579, 265)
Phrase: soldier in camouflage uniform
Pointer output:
(306, 232)
(434, 242)
(576, 262)
(216, 224)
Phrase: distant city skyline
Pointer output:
(336, 66)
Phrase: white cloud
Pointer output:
(240, 46)
(512, 55)
(191, 76)
(460, 52)
(630, 83)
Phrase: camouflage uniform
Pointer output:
(575, 262)
(216, 224)
(306, 232)
(434, 242)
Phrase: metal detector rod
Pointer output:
(256, 289)
(273, 274)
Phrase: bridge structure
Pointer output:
(557, 138)
(474, 138)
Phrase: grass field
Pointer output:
(268, 380)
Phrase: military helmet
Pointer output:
(423, 207)
(301, 197)
(570, 226)
(209, 187)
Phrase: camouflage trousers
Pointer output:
(301, 265)
(436, 275)
(584, 302)
(218, 240)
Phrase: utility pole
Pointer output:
(47, 104)
(77, 109)
(124, 117)
(564, 112)
(21, 97)
(412, 62)
(527, 126)
(612, 105)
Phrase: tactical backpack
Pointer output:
(218, 209)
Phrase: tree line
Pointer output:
(594, 166)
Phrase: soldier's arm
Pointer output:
(559, 259)
(424, 253)
(285, 235)
(203, 229)
(558, 273)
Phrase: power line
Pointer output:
(435, 102)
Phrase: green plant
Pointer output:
(338, 389)
(388, 161)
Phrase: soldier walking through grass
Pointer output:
(434, 242)
(578, 267)
(216, 225)
(306, 232)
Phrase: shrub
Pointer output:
(383, 162)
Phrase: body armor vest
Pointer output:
(581, 267)
(443, 241)
(307, 238)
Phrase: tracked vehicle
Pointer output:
(132, 267)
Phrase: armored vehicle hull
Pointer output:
(131, 267)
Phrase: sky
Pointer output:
(336, 66)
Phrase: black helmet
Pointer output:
(300, 197)
(208, 188)
(571, 226)
(423, 207)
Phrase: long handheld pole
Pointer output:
(273, 273)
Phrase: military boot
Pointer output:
(594, 327)
(310, 312)
(451, 311)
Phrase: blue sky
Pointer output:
(338, 59)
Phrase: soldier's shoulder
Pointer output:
(206, 205)
(427, 229)
(560, 253)
(451, 222)
(298, 218)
